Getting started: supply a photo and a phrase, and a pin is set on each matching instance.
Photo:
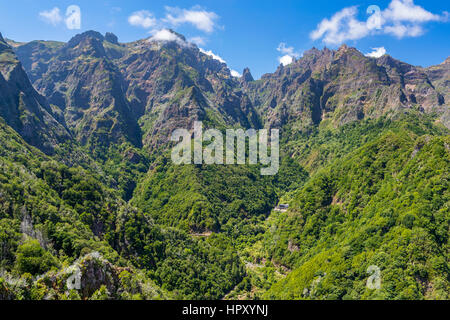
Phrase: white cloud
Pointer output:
(200, 41)
(288, 54)
(201, 19)
(402, 18)
(211, 54)
(166, 35)
(51, 16)
(377, 52)
(235, 74)
(73, 17)
(286, 60)
(143, 18)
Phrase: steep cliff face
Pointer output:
(414, 86)
(36, 55)
(341, 86)
(139, 92)
(24, 109)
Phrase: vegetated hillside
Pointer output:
(386, 204)
(364, 164)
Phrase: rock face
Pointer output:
(440, 77)
(341, 86)
(139, 92)
(24, 109)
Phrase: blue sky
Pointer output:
(247, 33)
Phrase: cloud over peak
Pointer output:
(166, 35)
(200, 41)
(286, 60)
(235, 74)
(199, 18)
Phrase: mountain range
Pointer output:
(86, 179)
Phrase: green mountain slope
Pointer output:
(86, 180)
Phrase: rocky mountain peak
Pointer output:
(1, 38)
(390, 63)
(86, 34)
(247, 76)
